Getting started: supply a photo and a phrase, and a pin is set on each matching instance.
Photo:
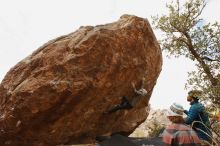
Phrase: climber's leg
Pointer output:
(124, 100)
(113, 109)
(125, 104)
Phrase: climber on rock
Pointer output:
(128, 104)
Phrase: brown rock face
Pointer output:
(58, 94)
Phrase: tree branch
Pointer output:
(205, 67)
(199, 13)
(209, 59)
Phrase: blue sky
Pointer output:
(25, 25)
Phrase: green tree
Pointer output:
(155, 129)
(185, 33)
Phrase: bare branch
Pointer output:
(199, 13)
(209, 59)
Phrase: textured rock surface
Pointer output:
(57, 94)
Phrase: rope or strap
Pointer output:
(204, 131)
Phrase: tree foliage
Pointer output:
(186, 34)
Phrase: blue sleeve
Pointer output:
(192, 115)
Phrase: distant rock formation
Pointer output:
(156, 118)
(58, 94)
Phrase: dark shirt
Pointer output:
(199, 118)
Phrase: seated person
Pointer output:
(179, 134)
(198, 117)
(126, 103)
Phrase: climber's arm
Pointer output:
(139, 94)
(134, 88)
(141, 91)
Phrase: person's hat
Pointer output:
(175, 110)
(197, 94)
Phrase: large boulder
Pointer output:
(58, 94)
